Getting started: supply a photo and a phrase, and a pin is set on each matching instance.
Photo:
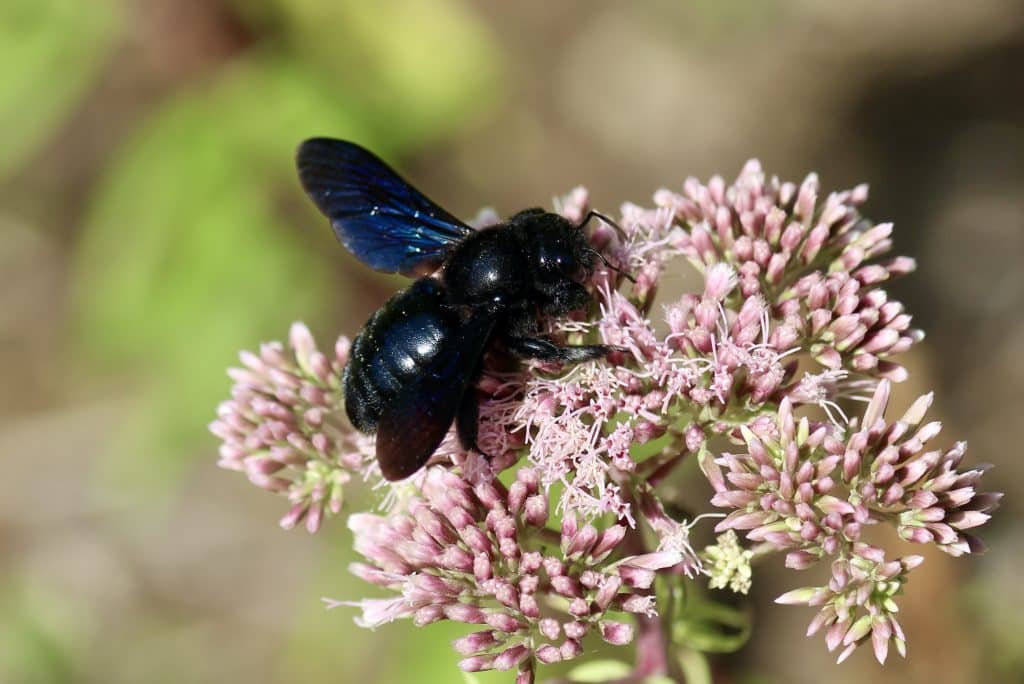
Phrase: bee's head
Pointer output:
(562, 260)
(562, 251)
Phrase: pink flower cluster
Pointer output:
(483, 555)
(782, 278)
(752, 377)
(283, 427)
(810, 491)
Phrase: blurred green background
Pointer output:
(152, 227)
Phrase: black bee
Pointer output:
(415, 362)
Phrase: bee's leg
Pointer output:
(467, 420)
(536, 348)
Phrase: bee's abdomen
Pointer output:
(393, 348)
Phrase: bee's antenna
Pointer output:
(613, 268)
(586, 219)
(591, 214)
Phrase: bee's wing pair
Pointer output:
(390, 226)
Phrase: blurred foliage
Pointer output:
(58, 47)
(695, 667)
(186, 254)
(43, 635)
(996, 605)
(600, 671)
(183, 255)
(711, 627)
(416, 68)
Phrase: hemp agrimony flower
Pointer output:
(567, 526)
(282, 427)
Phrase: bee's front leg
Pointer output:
(536, 348)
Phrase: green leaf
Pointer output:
(696, 669)
(711, 627)
(50, 52)
(600, 671)
(671, 596)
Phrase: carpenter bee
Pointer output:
(414, 365)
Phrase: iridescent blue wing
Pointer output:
(413, 425)
(388, 224)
